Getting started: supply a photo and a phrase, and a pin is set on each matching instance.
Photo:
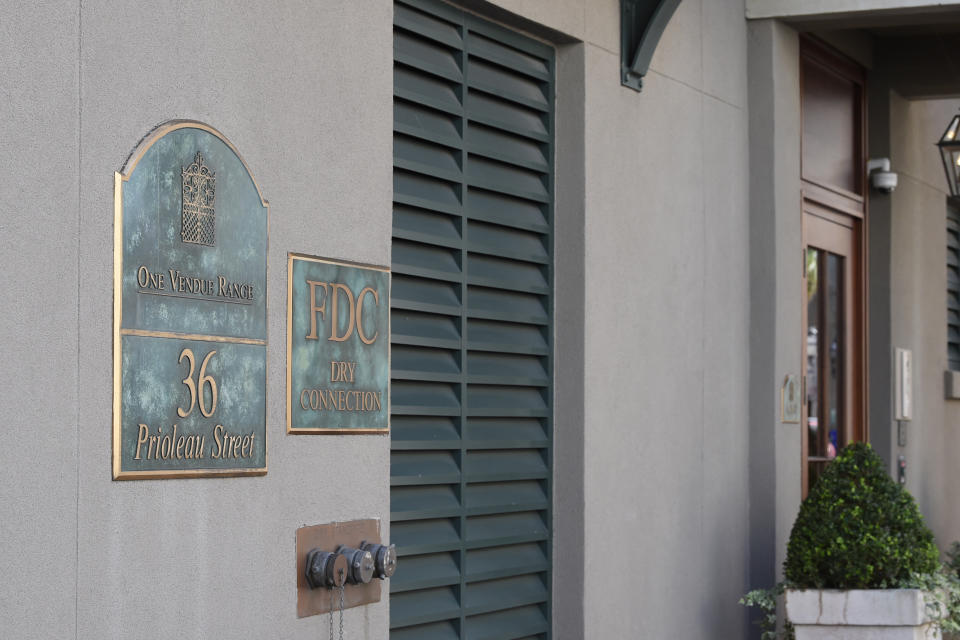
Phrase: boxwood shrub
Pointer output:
(858, 529)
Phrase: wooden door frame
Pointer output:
(817, 232)
(849, 209)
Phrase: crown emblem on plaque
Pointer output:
(199, 184)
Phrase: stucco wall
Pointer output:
(918, 309)
(652, 233)
(91, 558)
(39, 177)
(776, 239)
(666, 324)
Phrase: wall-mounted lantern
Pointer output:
(950, 152)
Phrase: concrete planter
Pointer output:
(874, 614)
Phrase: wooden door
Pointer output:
(834, 221)
(833, 341)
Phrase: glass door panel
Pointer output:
(834, 408)
(825, 354)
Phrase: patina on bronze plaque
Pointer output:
(190, 301)
(338, 346)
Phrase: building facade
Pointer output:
(601, 301)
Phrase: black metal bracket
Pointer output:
(641, 24)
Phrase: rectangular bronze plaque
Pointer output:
(328, 537)
(790, 400)
(190, 300)
(338, 347)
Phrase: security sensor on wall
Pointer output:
(881, 178)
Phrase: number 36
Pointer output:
(196, 388)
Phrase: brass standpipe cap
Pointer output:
(326, 569)
(384, 557)
(360, 564)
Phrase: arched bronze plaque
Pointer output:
(190, 301)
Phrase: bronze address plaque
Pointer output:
(338, 347)
(190, 301)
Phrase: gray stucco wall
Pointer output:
(653, 231)
(93, 558)
(666, 323)
(917, 310)
(775, 318)
(39, 182)
(667, 291)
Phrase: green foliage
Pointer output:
(766, 600)
(953, 558)
(941, 596)
(950, 590)
(858, 529)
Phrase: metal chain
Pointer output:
(341, 612)
(330, 636)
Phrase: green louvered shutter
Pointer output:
(953, 288)
(472, 333)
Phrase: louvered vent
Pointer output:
(471, 316)
(953, 287)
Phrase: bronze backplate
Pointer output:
(328, 537)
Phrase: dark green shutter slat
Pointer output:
(420, 190)
(507, 625)
(423, 468)
(507, 116)
(427, 605)
(505, 433)
(426, 55)
(507, 593)
(471, 327)
(953, 288)
(510, 462)
(438, 631)
(503, 178)
(510, 306)
(417, 255)
(508, 212)
(422, 503)
(431, 91)
(504, 241)
(414, 327)
(427, 571)
(426, 157)
(496, 80)
(489, 142)
(509, 57)
(421, 121)
(431, 296)
(506, 529)
(505, 497)
(431, 16)
(513, 368)
(507, 337)
(423, 536)
(425, 226)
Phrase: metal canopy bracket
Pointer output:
(641, 24)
